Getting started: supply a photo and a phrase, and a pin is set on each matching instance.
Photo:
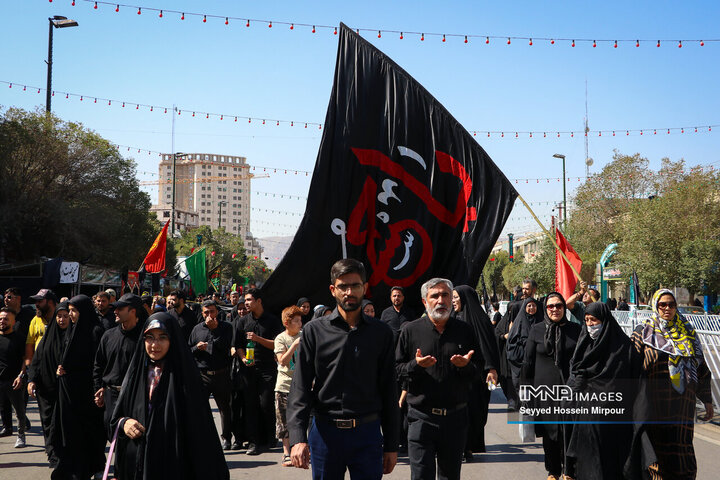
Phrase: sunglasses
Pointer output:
(554, 306)
(666, 305)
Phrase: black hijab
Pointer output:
(472, 313)
(309, 316)
(180, 439)
(554, 338)
(365, 303)
(48, 356)
(520, 331)
(605, 360)
(77, 425)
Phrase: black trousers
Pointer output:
(218, 384)
(259, 397)
(46, 407)
(11, 398)
(432, 437)
(111, 396)
(556, 462)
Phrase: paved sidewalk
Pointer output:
(505, 458)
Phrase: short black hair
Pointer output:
(255, 292)
(180, 294)
(7, 309)
(147, 300)
(345, 266)
(517, 290)
(400, 289)
(532, 282)
(14, 291)
(209, 303)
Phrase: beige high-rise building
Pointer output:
(211, 190)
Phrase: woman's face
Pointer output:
(305, 307)
(369, 310)
(555, 309)
(457, 304)
(667, 307)
(531, 308)
(63, 319)
(157, 344)
(591, 320)
(74, 313)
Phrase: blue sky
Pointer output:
(286, 74)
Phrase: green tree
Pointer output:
(66, 191)
(493, 272)
(601, 203)
(673, 238)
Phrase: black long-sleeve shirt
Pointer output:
(395, 319)
(219, 340)
(187, 320)
(12, 350)
(113, 355)
(266, 326)
(442, 385)
(353, 375)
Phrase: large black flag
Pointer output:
(398, 184)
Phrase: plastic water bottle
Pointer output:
(250, 352)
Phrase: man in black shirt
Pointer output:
(261, 328)
(397, 313)
(237, 371)
(344, 376)
(210, 345)
(12, 372)
(176, 306)
(104, 310)
(436, 354)
(115, 351)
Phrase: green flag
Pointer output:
(197, 270)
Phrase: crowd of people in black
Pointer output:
(345, 385)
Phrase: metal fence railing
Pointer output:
(707, 328)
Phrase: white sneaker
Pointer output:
(20, 442)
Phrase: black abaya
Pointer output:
(606, 364)
(78, 436)
(180, 439)
(479, 398)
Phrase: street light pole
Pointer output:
(172, 205)
(57, 22)
(560, 155)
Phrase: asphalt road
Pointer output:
(505, 458)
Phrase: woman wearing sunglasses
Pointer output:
(548, 350)
(676, 373)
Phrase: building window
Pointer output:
(166, 214)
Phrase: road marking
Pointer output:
(707, 439)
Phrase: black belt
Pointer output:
(346, 423)
(212, 372)
(441, 411)
(114, 387)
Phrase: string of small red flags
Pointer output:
(510, 134)
(464, 38)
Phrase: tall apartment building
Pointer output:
(216, 188)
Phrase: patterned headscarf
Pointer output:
(677, 338)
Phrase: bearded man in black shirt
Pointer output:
(115, 351)
(344, 376)
(436, 353)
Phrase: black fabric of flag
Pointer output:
(398, 184)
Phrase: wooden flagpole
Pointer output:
(550, 236)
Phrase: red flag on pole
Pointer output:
(565, 280)
(155, 259)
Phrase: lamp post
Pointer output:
(172, 205)
(54, 22)
(560, 155)
(220, 205)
